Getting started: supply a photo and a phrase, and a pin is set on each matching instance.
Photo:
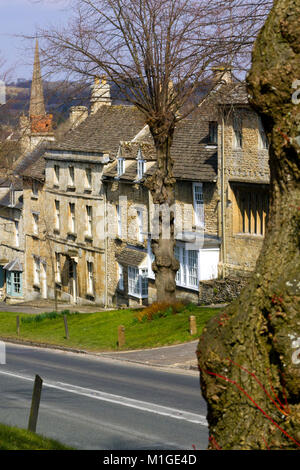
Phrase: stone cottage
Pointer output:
(89, 219)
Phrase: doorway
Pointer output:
(44, 280)
(73, 280)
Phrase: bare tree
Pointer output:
(249, 356)
(159, 53)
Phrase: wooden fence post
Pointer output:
(66, 326)
(121, 335)
(35, 403)
(193, 326)
(18, 325)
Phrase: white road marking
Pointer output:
(119, 400)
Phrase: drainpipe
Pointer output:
(223, 202)
(105, 245)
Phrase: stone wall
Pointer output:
(219, 291)
(185, 217)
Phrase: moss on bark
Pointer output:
(250, 374)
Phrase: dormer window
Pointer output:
(121, 166)
(140, 165)
(140, 168)
(12, 196)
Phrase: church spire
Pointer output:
(37, 105)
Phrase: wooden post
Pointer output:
(66, 326)
(18, 325)
(193, 326)
(121, 336)
(35, 403)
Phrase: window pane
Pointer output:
(88, 177)
(213, 132)
(144, 282)
(193, 267)
(17, 282)
(198, 205)
(121, 278)
(133, 281)
(90, 277)
(237, 129)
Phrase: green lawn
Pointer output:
(12, 438)
(99, 331)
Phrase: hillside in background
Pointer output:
(59, 97)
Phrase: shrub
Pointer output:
(160, 309)
(47, 315)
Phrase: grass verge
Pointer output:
(99, 331)
(12, 438)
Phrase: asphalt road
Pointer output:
(101, 403)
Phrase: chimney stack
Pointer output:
(222, 73)
(77, 115)
(100, 94)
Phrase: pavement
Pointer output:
(180, 356)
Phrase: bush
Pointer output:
(159, 310)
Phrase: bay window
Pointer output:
(138, 282)
(188, 272)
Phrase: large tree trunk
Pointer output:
(162, 187)
(249, 354)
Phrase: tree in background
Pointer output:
(249, 356)
(159, 53)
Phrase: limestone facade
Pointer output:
(243, 172)
(12, 246)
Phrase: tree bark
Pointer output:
(248, 355)
(162, 188)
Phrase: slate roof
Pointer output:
(32, 164)
(14, 265)
(7, 180)
(131, 257)
(232, 94)
(103, 131)
(194, 158)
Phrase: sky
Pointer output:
(23, 17)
